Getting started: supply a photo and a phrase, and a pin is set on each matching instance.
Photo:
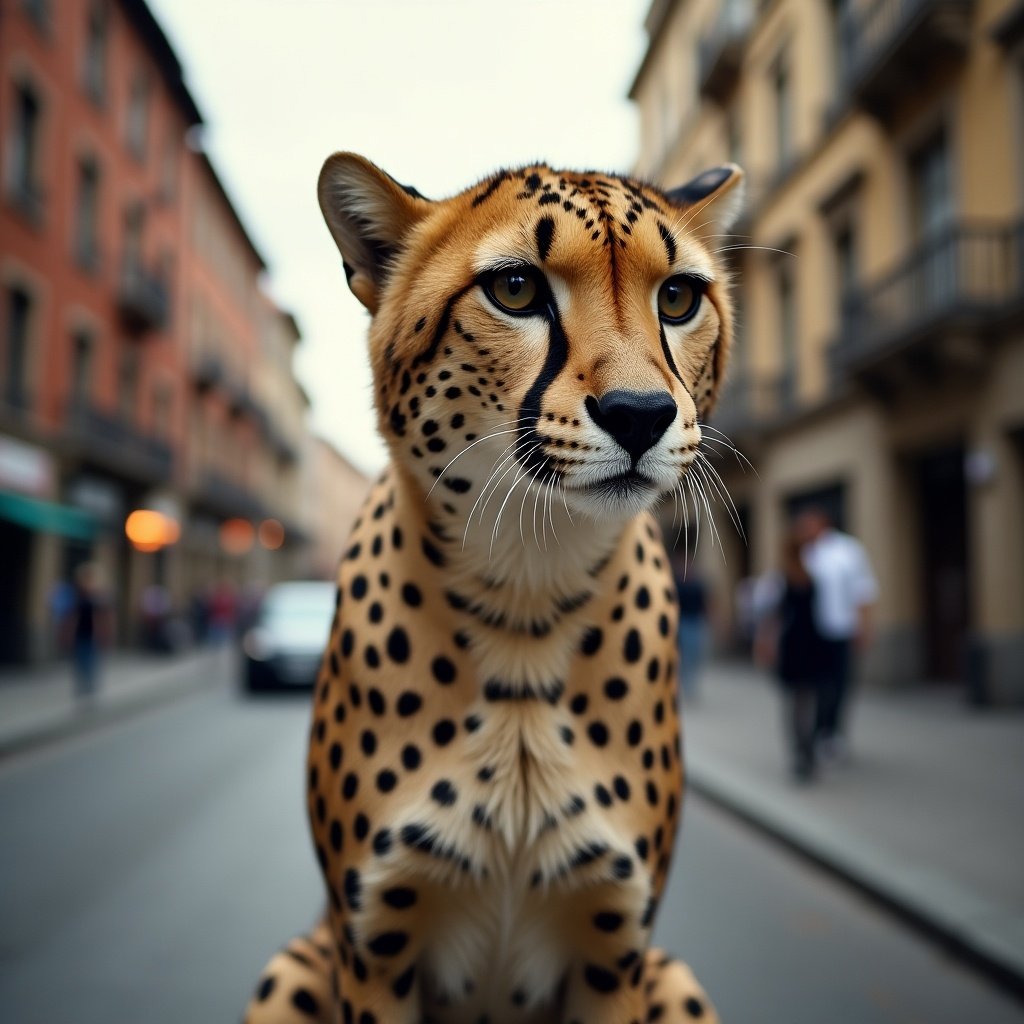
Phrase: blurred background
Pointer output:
(185, 413)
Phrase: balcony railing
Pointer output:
(721, 53)
(887, 47)
(226, 498)
(752, 401)
(207, 372)
(142, 299)
(100, 438)
(967, 278)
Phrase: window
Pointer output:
(134, 222)
(783, 115)
(82, 352)
(94, 62)
(87, 215)
(161, 411)
(23, 152)
(38, 11)
(787, 333)
(128, 383)
(19, 311)
(839, 30)
(137, 124)
(931, 200)
(846, 263)
(169, 165)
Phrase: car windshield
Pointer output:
(309, 604)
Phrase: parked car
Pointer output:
(283, 646)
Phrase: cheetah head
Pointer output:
(541, 330)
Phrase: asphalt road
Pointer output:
(147, 870)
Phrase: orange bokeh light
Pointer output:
(149, 530)
(271, 534)
(236, 536)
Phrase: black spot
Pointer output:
(601, 794)
(635, 733)
(368, 741)
(600, 979)
(652, 794)
(409, 703)
(382, 842)
(622, 868)
(578, 705)
(607, 921)
(443, 669)
(663, 624)
(371, 657)
(642, 847)
(386, 780)
(693, 1006)
(411, 757)
(433, 555)
(616, 689)
(621, 787)
(643, 598)
(591, 641)
(444, 793)
(266, 987)
(388, 943)
(457, 484)
(376, 701)
(303, 1001)
(411, 595)
(359, 587)
(347, 642)
(632, 648)
(472, 723)
(361, 827)
(398, 645)
(544, 233)
(336, 836)
(598, 733)
(350, 785)
(353, 888)
(403, 983)
(335, 755)
(401, 897)
(444, 732)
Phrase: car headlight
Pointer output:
(257, 645)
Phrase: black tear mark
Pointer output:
(492, 187)
(668, 356)
(670, 242)
(441, 329)
(545, 234)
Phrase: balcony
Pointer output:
(752, 402)
(223, 497)
(101, 439)
(936, 307)
(207, 372)
(721, 53)
(142, 299)
(890, 47)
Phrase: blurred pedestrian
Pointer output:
(845, 591)
(88, 630)
(789, 642)
(221, 613)
(693, 615)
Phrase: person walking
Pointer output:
(693, 615)
(788, 641)
(845, 591)
(88, 630)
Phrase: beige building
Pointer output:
(880, 284)
(335, 492)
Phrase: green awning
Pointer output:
(46, 516)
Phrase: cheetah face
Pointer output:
(543, 330)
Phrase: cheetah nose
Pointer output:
(636, 419)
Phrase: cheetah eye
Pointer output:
(679, 299)
(515, 289)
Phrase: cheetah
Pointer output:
(494, 767)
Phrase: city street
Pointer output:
(151, 866)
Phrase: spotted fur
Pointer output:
(494, 772)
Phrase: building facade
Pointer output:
(879, 278)
(142, 365)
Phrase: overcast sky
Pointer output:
(438, 92)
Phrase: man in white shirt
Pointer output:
(845, 590)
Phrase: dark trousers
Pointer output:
(834, 688)
(801, 708)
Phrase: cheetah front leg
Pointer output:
(672, 994)
(295, 986)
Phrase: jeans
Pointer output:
(835, 686)
(85, 658)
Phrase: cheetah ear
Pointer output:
(718, 192)
(369, 214)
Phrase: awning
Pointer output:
(46, 516)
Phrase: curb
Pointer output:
(958, 926)
(181, 684)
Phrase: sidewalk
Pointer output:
(37, 704)
(927, 812)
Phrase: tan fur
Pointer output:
(494, 765)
